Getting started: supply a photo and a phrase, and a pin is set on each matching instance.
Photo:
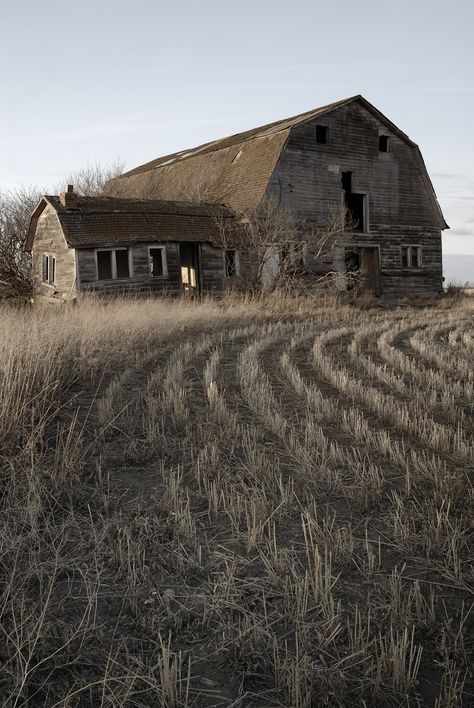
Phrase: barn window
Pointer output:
(411, 256)
(292, 254)
(230, 263)
(383, 143)
(157, 261)
(113, 263)
(322, 134)
(49, 269)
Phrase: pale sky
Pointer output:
(89, 81)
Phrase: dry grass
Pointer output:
(236, 503)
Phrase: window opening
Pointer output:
(122, 265)
(49, 269)
(292, 254)
(322, 132)
(113, 263)
(411, 256)
(157, 262)
(104, 265)
(354, 203)
(383, 143)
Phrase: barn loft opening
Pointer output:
(355, 204)
(322, 134)
(383, 143)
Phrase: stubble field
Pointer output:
(235, 504)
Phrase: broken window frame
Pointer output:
(164, 264)
(113, 263)
(234, 266)
(48, 269)
(408, 259)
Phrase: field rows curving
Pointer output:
(277, 513)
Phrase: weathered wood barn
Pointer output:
(158, 233)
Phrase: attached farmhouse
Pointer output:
(107, 245)
(162, 228)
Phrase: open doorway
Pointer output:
(355, 205)
(362, 268)
(190, 271)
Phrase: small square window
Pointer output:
(411, 257)
(322, 134)
(383, 143)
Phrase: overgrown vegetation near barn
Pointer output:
(237, 503)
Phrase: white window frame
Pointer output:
(50, 259)
(237, 263)
(114, 263)
(409, 247)
(156, 247)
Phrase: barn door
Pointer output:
(189, 262)
(370, 269)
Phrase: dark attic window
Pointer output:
(322, 134)
(383, 143)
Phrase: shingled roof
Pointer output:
(235, 170)
(103, 220)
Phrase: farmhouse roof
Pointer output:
(237, 169)
(108, 220)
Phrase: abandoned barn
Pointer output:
(162, 228)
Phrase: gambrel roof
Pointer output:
(237, 169)
(107, 220)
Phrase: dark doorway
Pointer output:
(190, 271)
(362, 269)
(354, 203)
(352, 266)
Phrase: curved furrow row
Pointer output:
(439, 396)
(401, 461)
(442, 356)
(438, 391)
(317, 452)
(407, 417)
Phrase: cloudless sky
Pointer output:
(89, 81)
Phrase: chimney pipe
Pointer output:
(69, 198)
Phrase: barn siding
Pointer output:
(49, 240)
(307, 180)
(212, 270)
